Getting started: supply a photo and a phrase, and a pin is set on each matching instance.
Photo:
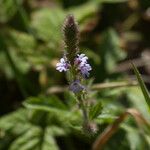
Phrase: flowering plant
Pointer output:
(38, 111)
(77, 66)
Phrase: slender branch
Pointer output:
(99, 86)
(113, 85)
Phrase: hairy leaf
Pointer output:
(95, 110)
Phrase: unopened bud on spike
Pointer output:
(71, 37)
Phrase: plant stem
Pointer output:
(84, 111)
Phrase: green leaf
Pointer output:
(12, 126)
(142, 86)
(84, 11)
(111, 51)
(34, 139)
(17, 131)
(16, 122)
(54, 107)
(45, 102)
(8, 9)
(19, 46)
(55, 131)
(134, 138)
(49, 143)
(95, 111)
(136, 98)
(27, 140)
(49, 27)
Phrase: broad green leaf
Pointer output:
(28, 140)
(95, 111)
(34, 139)
(20, 132)
(16, 122)
(54, 107)
(142, 86)
(13, 125)
(49, 27)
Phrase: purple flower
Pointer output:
(81, 59)
(63, 65)
(76, 87)
(83, 66)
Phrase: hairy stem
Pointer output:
(84, 111)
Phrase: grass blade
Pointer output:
(142, 85)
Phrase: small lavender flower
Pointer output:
(63, 65)
(76, 87)
(81, 58)
(83, 66)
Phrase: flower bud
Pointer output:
(71, 37)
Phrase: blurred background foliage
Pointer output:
(112, 32)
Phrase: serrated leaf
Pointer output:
(142, 86)
(95, 111)
(28, 140)
(34, 139)
(56, 109)
(16, 122)
(55, 131)
(45, 102)
(49, 142)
